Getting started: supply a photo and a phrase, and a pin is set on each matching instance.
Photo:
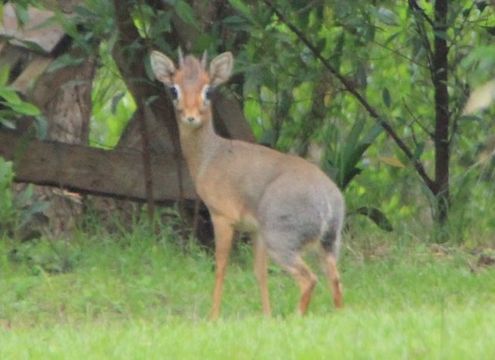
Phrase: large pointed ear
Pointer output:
(163, 67)
(221, 68)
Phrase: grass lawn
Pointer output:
(138, 298)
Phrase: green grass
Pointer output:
(134, 297)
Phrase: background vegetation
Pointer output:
(384, 51)
(353, 85)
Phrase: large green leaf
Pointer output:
(375, 215)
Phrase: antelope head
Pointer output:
(191, 83)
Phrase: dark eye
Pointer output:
(208, 91)
(174, 92)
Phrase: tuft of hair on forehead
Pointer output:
(191, 68)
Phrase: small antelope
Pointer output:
(283, 201)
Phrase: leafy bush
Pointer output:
(16, 209)
(7, 212)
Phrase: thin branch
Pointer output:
(418, 9)
(416, 120)
(459, 30)
(399, 54)
(419, 13)
(350, 88)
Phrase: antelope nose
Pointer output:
(190, 119)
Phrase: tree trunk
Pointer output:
(442, 116)
(68, 113)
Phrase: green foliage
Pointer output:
(381, 49)
(6, 198)
(293, 103)
(16, 105)
(16, 209)
(343, 159)
(113, 105)
(13, 108)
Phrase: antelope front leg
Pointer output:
(260, 270)
(223, 243)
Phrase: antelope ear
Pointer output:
(221, 68)
(163, 67)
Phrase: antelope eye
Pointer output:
(208, 90)
(174, 92)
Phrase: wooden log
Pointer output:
(113, 173)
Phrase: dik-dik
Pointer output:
(282, 201)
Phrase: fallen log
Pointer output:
(87, 170)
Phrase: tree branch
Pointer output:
(418, 13)
(413, 5)
(360, 98)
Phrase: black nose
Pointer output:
(190, 119)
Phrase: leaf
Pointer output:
(186, 13)
(10, 95)
(26, 108)
(242, 8)
(392, 161)
(64, 61)
(320, 45)
(21, 14)
(115, 101)
(345, 168)
(268, 138)
(6, 171)
(236, 22)
(23, 198)
(346, 178)
(41, 127)
(377, 216)
(418, 151)
(38, 207)
(481, 5)
(490, 30)
(387, 100)
(391, 38)
(372, 134)
(31, 45)
(386, 16)
(4, 75)
(466, 12)
(84, 12)
(9, 124)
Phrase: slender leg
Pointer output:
(306, 280)
(223, 243)
(261, 272)
(333, 277)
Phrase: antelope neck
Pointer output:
(199, 146)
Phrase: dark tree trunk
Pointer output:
(442, 116)
(129, 54)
